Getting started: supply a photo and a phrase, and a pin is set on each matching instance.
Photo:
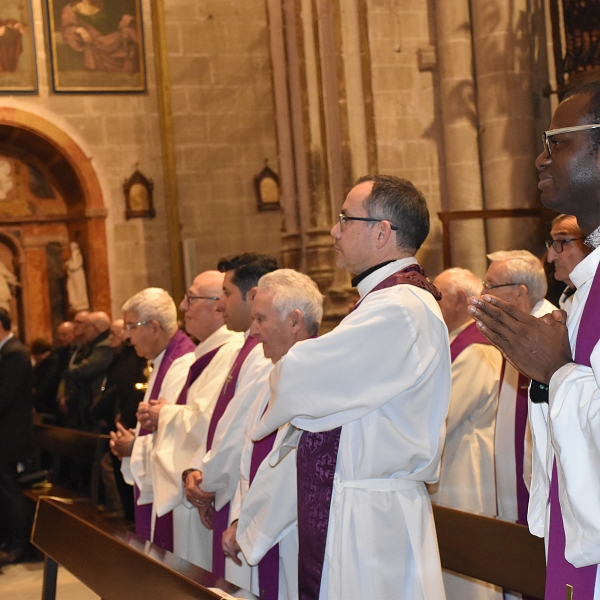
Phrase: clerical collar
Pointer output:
(593, 240)
(356, 280)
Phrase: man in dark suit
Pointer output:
(16, 440)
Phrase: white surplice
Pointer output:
(221, 465)
(467, 480)
(568, 429)
(137, 468)
(383, 375)
(181, 429)
(266, 510)
(504, 443)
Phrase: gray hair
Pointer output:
(463, 280)
(293, 290)
(524, 268)
(154, 304)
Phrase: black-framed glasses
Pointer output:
(190, 299)
(551, 132)
(344, 218)
(490, 286)
(557, 245)
(132, 326)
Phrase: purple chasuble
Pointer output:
(195, 371)
(268, 567)
(315, 464)
(179, 345)
(469, 335)
(559, 572)
(221, 517)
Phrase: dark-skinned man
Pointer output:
(564, 362)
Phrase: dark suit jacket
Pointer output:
(16, 403)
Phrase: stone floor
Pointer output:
(24, 582)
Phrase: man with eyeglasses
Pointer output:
(517, 277)
(150, 319)
(178, 422)
(566, 250)
(564, 361)
(213, 473)
(368, 402)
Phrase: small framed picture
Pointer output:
(138, 196)
(266, 184)
(96, 45)
(18, 73)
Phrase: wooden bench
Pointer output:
(63, 442)
(114, 563)
(492, 550)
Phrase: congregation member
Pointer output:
(46, 376)
(563, 361)
(16, 441)
(86, 376)
(150, 319)
(518, 277)
(286, 310)
(212, 476)
(369, 401)
(467, 474)
(565, 251)
(175, 421)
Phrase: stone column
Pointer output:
(502, 39)
(462, 170)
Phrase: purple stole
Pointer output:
(221, 517)
(315, 463)
(559, 572)
(268, 567)
(195, 371)
(469, 335)
(179, 345)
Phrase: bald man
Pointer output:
(87, 375)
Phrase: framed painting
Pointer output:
(17, 48)
(96, 45)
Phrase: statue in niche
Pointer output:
(76, 282)
(7, 281)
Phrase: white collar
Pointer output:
(586, 269)
(375, 278)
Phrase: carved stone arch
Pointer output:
(37, 141)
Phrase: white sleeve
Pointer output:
(574, 428)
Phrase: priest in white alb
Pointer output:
(369, 401)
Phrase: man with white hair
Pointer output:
(566, 250)
(287, 309)
(467, 480)
(517, 277)
(150, 318)
(179, 423)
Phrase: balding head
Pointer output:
(98, 322)
(65, 334)
(456, 286)
(199, 305)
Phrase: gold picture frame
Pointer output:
(266, 185)
(96, 46)
(18, 73)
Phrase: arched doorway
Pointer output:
(51, 197)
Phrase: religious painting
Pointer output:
(138, 196)
(96, 45)
(17, 48)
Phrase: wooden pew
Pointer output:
(492, 550)
(114, 563)
(61, 441)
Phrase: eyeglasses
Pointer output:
(132, 326)
(557, 245)
(344, 218)
(551, 132)
(489, 286)
(189, 299)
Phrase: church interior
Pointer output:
(239, 126)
